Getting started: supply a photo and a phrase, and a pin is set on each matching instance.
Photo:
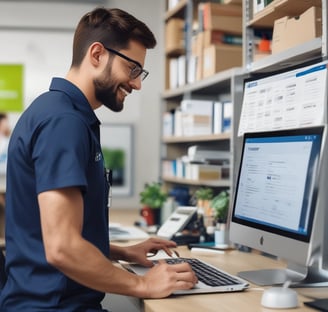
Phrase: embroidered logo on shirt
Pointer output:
(98, 156)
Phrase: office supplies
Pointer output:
(206, 251)
(279, 205)
(211, 279)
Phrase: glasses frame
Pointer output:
(136, 71)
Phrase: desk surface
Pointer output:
(232, 262)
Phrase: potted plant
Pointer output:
(203, 197)
(220, 206)
(152, 197)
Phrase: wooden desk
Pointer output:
(232, 262)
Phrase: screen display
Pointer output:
(276, 187)
(287, 100)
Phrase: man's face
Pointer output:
(116, 82)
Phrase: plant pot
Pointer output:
(221, 234)
(152, 216)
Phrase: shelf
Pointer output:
(216, 183)
(205, 86)
(280, 8)
(204, 138)
(177, 11)
(223, 86)
(175, 52)
(293, 56)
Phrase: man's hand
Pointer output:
(138, 253)
(163, 279)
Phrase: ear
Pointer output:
(97, 54)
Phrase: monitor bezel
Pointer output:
(318, 130)
(266, 74)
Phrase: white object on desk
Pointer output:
(177, 221)
(280, 297)
(206, 252)
(118, 232)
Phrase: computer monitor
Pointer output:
(293, 98)
(279, 203)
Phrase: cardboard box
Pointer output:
(206, 172)
(196, 124)
(218, 36)
(229, 24)
(221, 57)
(291, 31)
(227, 18)
(174, 35)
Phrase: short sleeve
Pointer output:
(61, 152)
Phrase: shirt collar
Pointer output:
(78, 99)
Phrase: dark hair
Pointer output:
(114, 28)
(3, 116)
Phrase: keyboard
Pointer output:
(207, 274)
(210, 278)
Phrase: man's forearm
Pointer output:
(117, 253)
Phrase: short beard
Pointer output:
(106, 89)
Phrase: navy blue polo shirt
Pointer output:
(55, 144)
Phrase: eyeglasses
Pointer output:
(137, 70)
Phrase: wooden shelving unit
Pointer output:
(223, 85)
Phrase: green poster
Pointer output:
(11, 88)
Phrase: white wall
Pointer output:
(39, 35)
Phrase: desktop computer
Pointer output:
(280, 204)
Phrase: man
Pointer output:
(57, 246)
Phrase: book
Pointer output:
(181, 70)
(197, 107)
(202, 153)
(177, 122)
(217, 117)
(227, 116)
(168, 123)
(174, 72)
